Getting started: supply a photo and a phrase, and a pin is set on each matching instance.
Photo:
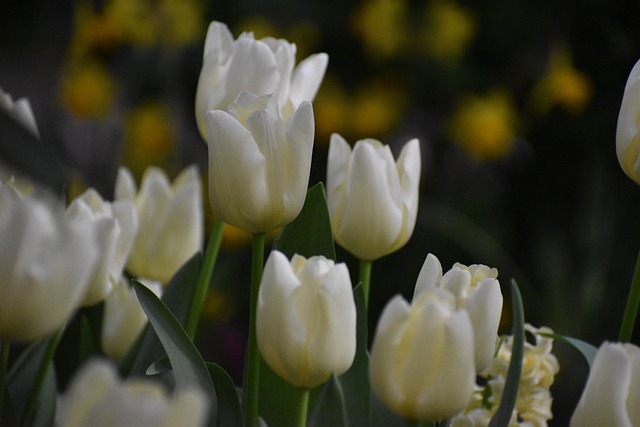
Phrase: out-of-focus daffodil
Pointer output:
(382, 25)
(448, 30)
(88, 90)
(484, 126)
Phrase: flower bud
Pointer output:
(372, 200)
(627, 135)
(96, 396)
(422, 358)
(612, 392)
(306, 319)
(170, 218)
(259, 165)
(263, 67)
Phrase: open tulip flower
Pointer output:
(259, 164)
(628, 130)
(372, 200)
(263, 67)
(306, 319)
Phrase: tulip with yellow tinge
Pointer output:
(372, 200)
(306, 319)
(259, 164)
(627, 133)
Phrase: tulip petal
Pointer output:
(627, 138)
(430, 275)
(485, 309)
(300, 136)
(337, 171)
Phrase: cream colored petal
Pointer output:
(430, 275)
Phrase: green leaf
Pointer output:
(189, 369)
(330, 409)
(509, 394)
(23, 374)
(45, 410)
(229, 408)
(177, 297)
(355, 381)
(587, 350)
(25, 152)
(310, 233)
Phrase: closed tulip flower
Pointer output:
(422, 358)
(123, 317)
(627, 133)
(372, 200)
(170, 219)
(476, 290)
(263, 67)
(46, 264)
(259, 164)
(98, 397)
(116, 225)
(306, 319)
(612, 392)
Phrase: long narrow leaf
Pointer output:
(330, 409)
(188, 367)
(587, 350)
(510, 392)
(229, 408)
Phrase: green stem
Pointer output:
(209, 262)
(631, 310)
(365, 279)
(45, 365)
(4, 366)
(252, 358)
(302, 407)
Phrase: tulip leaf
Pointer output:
(276, 398)
(510, 392)
(189, 369)
(310, 233)
(229, 408)
(330, 409)
(23, 374)
(355, 381)
(26, 153)
(177, 297)
(45, 409)
(587, 350)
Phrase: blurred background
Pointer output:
(515, 104)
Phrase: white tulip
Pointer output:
(306, 319)
(20, 110)
(372, 200)
(259, 165)
(97, 397)
(612, 392)
(476, 290)
(170, 218)
(123, 317)
(116, 224)
(46, 264)
(263, 67)
(627, 132)
(422, 358)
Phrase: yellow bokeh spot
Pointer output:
(218, 306)
(260, 26)
(485, 126)
(377, 108)
(448, 30)
(382, 26)
(561, 85)
(331, 110)
(88, 90)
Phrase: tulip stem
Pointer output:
(365, 279)
(631, 310)
(252, 358)
(45, 365)
(4, 365)
(303, 407)
(204, 278)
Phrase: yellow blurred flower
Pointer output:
(149, 138)
(485, 126)
(377, 108)
(88, 90)
(561, 85)
(448, 30)
(218, 306)
(331, 108)
(382, 25)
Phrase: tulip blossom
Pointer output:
(627, 135)
(170, 218)
(306, 319)
(422, 358)
(97, 397)
(263, 67)
(372, 200)
(476, 290)
(612, 392)
(20, 110)
(123, 317)
(259, 164)
(116, 224)
(46, 263)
